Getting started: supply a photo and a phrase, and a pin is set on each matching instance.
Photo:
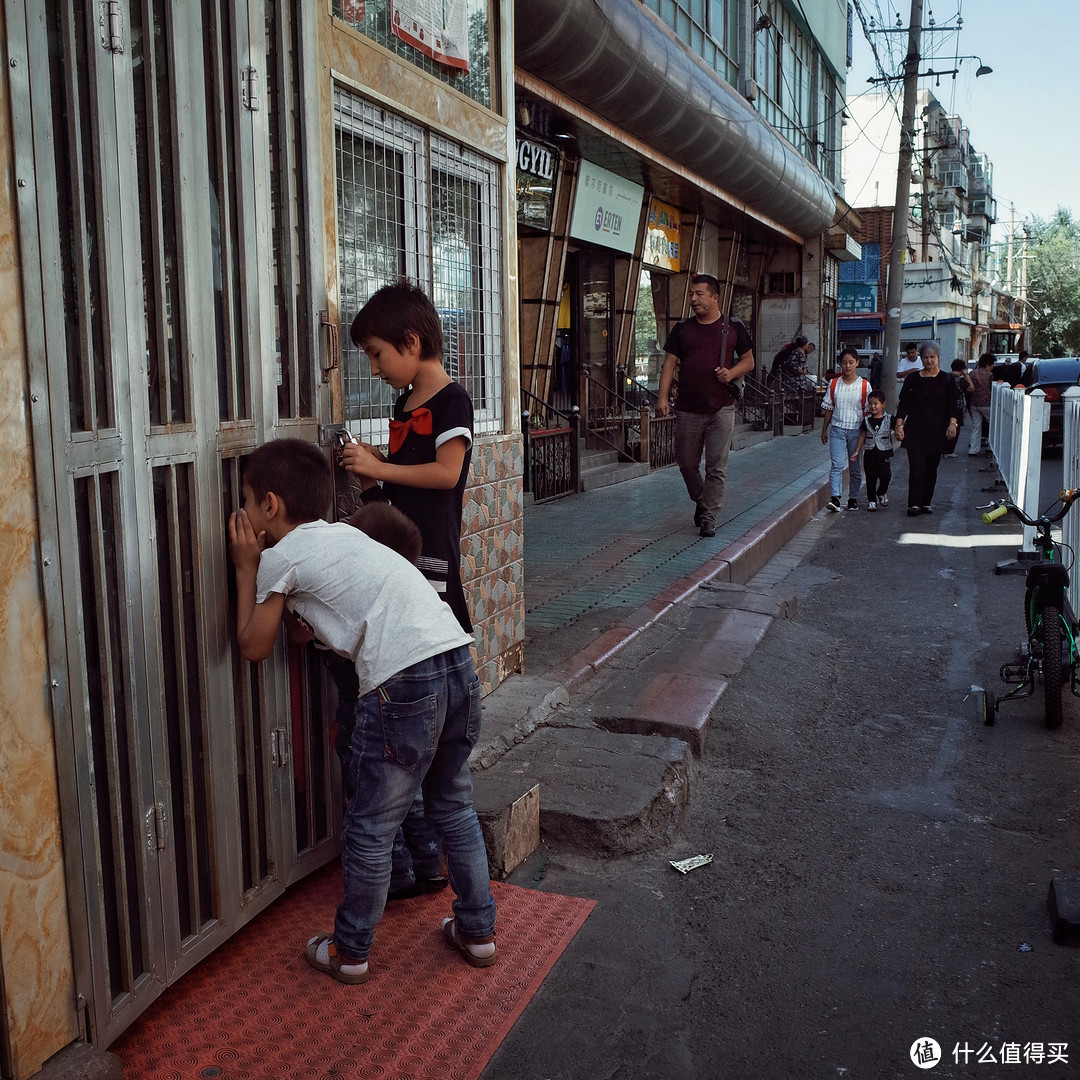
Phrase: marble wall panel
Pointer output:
(35, 944)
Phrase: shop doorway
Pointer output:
(591, 273)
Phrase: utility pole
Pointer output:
(894, 296)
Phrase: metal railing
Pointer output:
(552, 456)
(761, 407)
(660, 432)
(637, 393)
(799, 400)
(611, 419)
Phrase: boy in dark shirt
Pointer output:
(879, 444)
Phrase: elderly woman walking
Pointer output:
(927, 420)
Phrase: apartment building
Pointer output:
(948, 265)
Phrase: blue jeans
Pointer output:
(842, 443)
(417, 740)
(711, 434)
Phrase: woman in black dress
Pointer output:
(927, 420)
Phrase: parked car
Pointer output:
(1053, 376)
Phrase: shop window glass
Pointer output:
(468, 26)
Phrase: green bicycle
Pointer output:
(1051, 646)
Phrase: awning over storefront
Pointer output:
(613, 57)
(860, 324)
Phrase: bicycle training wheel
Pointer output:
(1051, 664)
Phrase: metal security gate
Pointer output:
(167, 255)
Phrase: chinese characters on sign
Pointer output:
(607, 209)
(438, 28)
(662, 237)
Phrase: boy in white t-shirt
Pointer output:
(418, 714)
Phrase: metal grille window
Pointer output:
(415, 205)
(707, 27)
(790, 97)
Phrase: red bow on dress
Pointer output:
(420, 422)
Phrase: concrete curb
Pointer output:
(521, 704)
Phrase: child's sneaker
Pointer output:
(323, 956)
(833, 503)
(852, 504)
(883, 500)
(871, 507)
(480, 954)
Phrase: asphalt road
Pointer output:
(881, 858)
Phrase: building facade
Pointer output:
(947, 261)
(197, 198)
(676, 137)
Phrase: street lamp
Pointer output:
(930, 73)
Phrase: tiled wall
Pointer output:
(492, 561)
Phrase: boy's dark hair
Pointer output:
(709, 280)
(297, 472)
(394, 313)
(389, 526)
(876, 395)
(959, 364)
(988, 359)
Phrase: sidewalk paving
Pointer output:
(614, 757)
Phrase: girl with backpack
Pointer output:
(842, 429)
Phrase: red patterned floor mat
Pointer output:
(256, 1009)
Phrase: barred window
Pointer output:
(416, 205)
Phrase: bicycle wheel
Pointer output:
(1051, 664)
(1031, 597)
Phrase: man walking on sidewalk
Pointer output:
(711, 351)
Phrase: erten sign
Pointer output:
(607, 209)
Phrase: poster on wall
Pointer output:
(662, 236)
(438, 28)
(607, 209)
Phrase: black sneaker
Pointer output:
(927, 509)
(833, 503)
(852, 504)
(707, 529)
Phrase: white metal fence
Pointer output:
(1070, 462)
(1017, 422)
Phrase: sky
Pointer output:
(1025, 115)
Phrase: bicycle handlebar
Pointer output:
(1066, 498)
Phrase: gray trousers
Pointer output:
(707, 434)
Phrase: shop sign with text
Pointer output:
(662, 236)
(607, 209)
(536, 166)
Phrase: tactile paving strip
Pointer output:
(255, 1008)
